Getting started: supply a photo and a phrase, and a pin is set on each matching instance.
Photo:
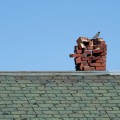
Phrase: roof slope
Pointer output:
(59, 96)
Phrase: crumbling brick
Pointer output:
(90, 54)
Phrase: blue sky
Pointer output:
(40, 34)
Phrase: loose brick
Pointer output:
(81, 39)
(75, 55)
(81, 46)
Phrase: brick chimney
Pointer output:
(90, 54)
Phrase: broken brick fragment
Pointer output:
(75, 55)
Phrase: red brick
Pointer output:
(81, 66)
(87, 68)
(84, 39)
(102, 49)
(100, 61)
(89, 61)
(87, 51)
(84, 62)
(77, 50)
(96, 58)
(103, 45)
(91, 58)
(95, 64)
(96, 42)
(78, 60)
(91, 43)
(85, 58)
(103, 57)
(75, 55)
(98, 46)
(104, 53)
(101, 68)
(81, 46)
(105, 49)
(81, 39)
(98, 51)
(102, 42)
(103, 64)
(80, 43)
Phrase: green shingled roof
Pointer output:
(59, 96)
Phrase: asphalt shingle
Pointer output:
(59, 97)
